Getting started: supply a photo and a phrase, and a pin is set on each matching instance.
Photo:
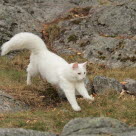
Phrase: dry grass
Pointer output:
(49, 113)
(13, 79)
(53, 119)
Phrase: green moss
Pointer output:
(110, 50)
(132, 59)
(102, 57)
(84, 43)
(77, 21)
(81, 11)
(119, 55)
(120, 45)
(86, 9)
(100, 53)
(72, 38)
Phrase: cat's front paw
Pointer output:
(76, 108)
(91, 98)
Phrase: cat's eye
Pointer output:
(79, 73)
(84, 72)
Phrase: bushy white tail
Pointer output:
(24, 41)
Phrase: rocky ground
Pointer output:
(105, 34)
(102, 31)
(81, 127)
(97, 127)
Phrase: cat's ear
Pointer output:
(84, 64)
(75, 65)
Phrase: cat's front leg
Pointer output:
(80, 87)
(69, 91)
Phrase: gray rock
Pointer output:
(85, 3)
(100, 52)
(97, 126)
(9, 104)
(14, 20)
(131, 86)
(82, 34)
(102, 84)
(104, 36)
(116, 20)
(111, 51)
(41, 10)
(29, 15)
(45, 10)
(22, 132)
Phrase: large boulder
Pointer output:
(30, 15)
(104, 36)
(27, 16)
(102, 84)
(97, 126)
(22, 132)
(96, 35)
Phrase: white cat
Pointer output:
(69, 77)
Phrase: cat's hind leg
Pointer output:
(80, 87)
(69, 91)
(29, 79)
(31, 71)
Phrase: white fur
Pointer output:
(69, 77)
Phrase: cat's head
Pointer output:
(79, 71)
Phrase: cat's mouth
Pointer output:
(81, 79)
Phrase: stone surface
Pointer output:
(29, 15)
(102, 84)
(105, 36)
(21, 16)
(111, 52)
(9, 104)
(41, 10)
(131, 86)
(97, 126)
(96, 35)
(116, 20)
(14, 20)
(22, 132)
